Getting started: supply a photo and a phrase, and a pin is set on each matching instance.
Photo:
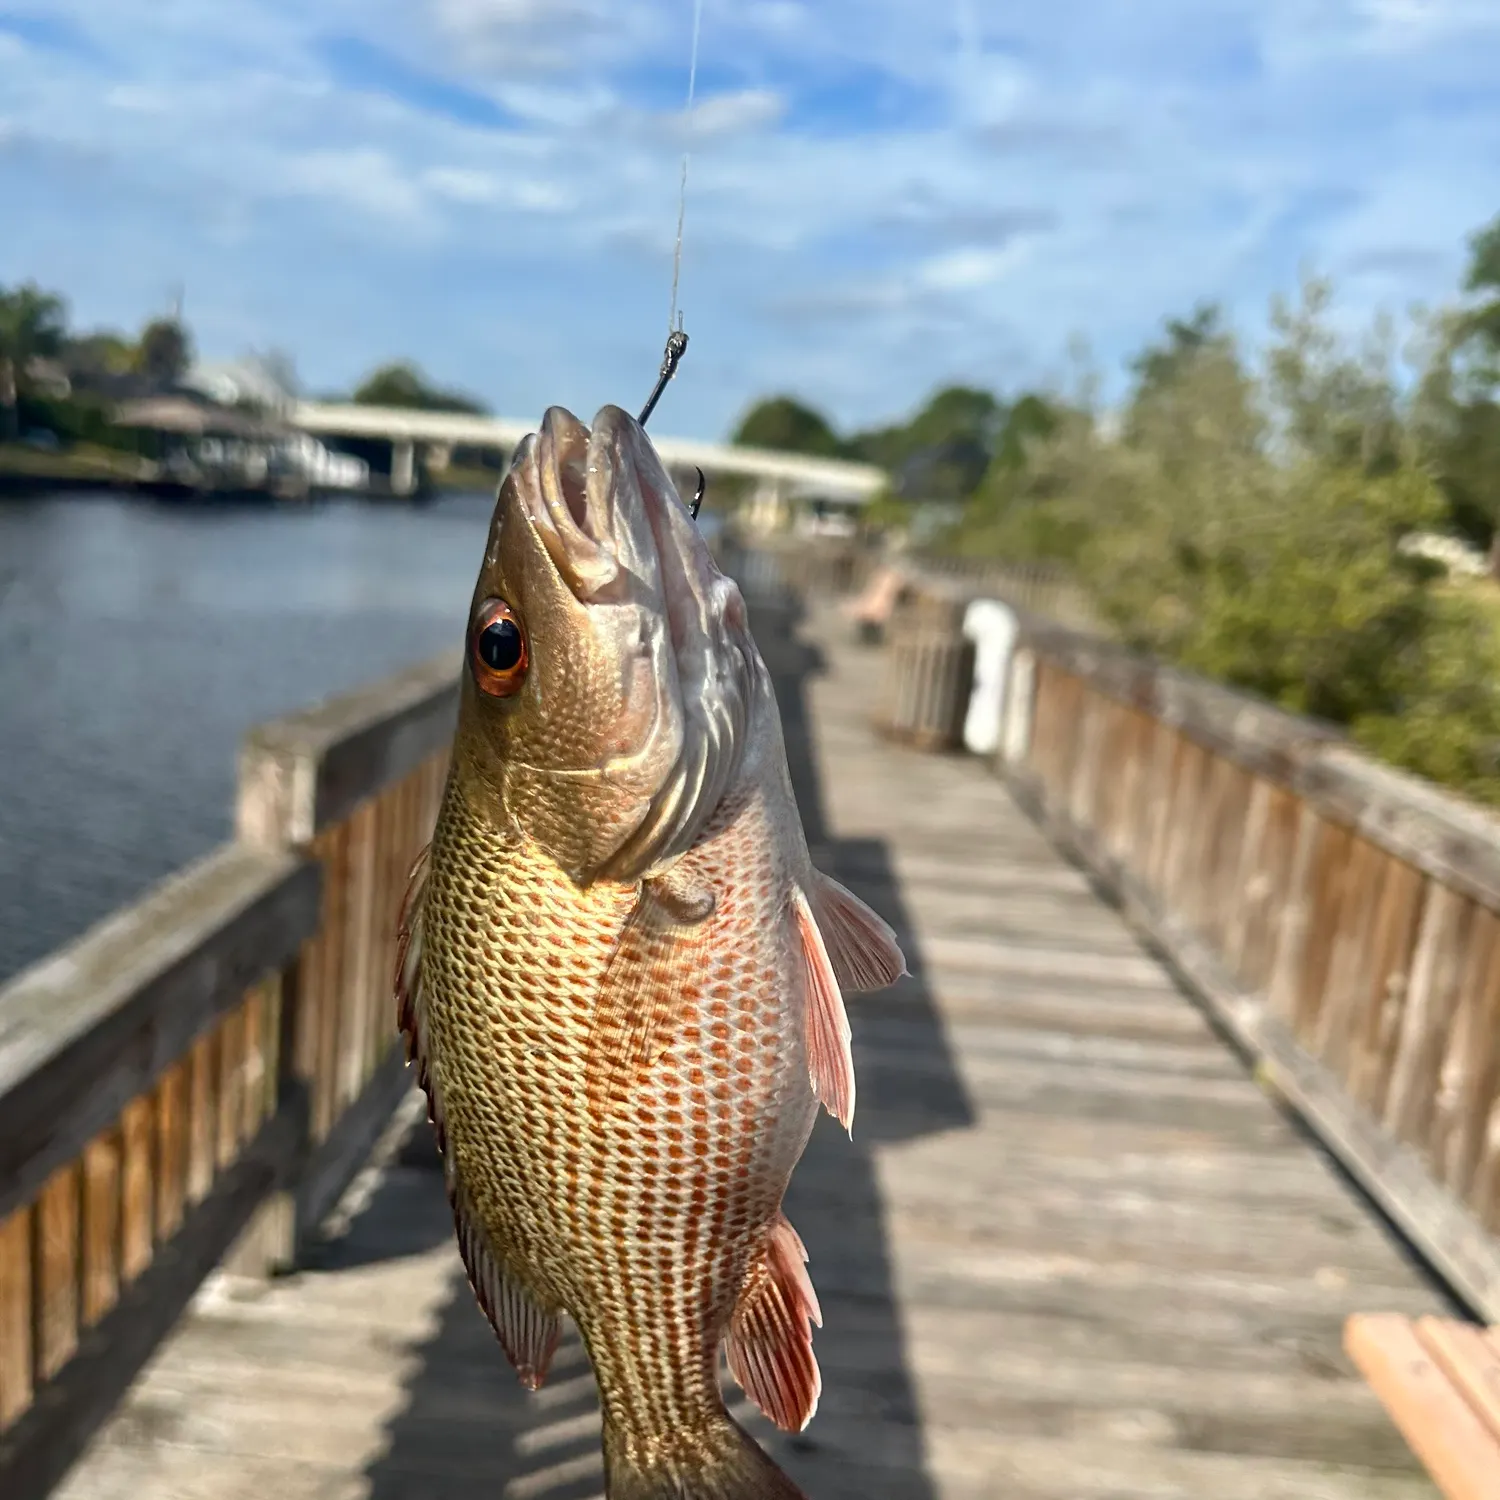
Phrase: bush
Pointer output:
(1250, 527)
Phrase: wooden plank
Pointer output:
(55, 1259)
(16, 1327)
(1454, 841)
(1470, 1361)
(101, 1224)
(1393, 1173)
(203, 1074)
(1287, 943)
(231, 1090)
(1470, 1080)
(1393, 946)
(1250, 732)
(309, 771)
(1442, 1428)
(1328, 886)
(84, 1032)
(47, 1438)
(1341, 1012)
(137, 1187)
(361, 985)
(171, 1172)
(333, 980)
(1428, 1013)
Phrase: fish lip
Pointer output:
(551, 468)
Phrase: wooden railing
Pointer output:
(1043, 589)
(1340, 918)
(200, 1075)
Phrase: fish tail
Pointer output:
(722, 1463)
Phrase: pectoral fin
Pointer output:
(661, 946)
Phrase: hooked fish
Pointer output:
(620, 976)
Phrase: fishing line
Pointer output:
(692, 88)
(677, 339)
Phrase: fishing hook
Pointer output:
(677, 342)
(697, 504)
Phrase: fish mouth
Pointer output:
(553, 467)
(618, 533)
(611, 519)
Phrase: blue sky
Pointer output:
(884, 194)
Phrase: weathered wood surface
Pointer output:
(1440, 1381)
(1339, 918)
(200, 1075)
(1072, 1251)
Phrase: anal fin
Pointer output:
(830, 1062)
(769, 1344)
(861, 946)
(527, 1331)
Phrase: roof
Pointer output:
(181, 414)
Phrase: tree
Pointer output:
(100, 353)
(1160, 366)
(786, 425)
(942, 453)
(165, 351)
(33, 325)
(1459, 417)
(403, 384)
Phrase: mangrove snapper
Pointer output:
(620, 975)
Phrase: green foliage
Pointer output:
(943, 452)
(33, 324)
(403, 384)
(787, 425)
(1249, 526)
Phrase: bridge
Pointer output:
(778, 477)
(1198, 1063)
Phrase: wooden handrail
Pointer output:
(195, 1080)
(1339, 917)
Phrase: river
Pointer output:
(139, 641)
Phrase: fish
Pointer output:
(620, 977)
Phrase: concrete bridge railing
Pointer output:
(202, 1074)
(1339, 918)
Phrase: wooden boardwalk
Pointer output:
(1073, 1251)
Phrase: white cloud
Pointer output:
(882, 193)
(365, 180)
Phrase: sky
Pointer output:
(883, 196)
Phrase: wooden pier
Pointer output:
(1074, 1249)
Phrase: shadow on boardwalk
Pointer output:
(468, 1431)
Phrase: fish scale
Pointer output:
(670, 1189)
(620, 976)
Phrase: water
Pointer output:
(138, 643)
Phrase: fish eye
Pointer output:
(497, 649)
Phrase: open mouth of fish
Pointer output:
(618, 533)
(612, 521)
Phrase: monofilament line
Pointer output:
(682, 187)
